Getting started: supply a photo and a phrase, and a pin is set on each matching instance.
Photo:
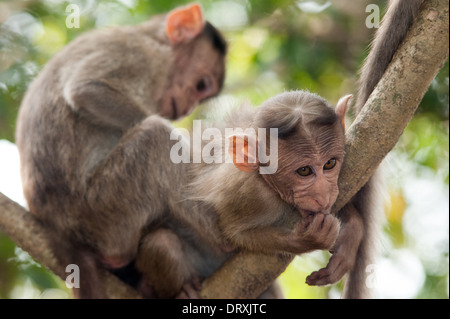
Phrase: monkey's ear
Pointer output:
(342, 107)
(243, 151)
(185, 23)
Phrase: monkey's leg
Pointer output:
(134, 186)
(162, 261)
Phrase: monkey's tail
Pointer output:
(393, 29)
(368, 201)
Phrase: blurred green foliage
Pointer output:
(274, 46)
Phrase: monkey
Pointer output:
(249, 207)
(89, 130)
(366, 207)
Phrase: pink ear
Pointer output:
(243, 153)
(342, 107)
(185, 23)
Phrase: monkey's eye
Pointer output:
(304, 171)
(330, 164)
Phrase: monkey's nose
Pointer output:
(322, 203)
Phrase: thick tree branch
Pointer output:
(373, 134)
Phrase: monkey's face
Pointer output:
(308, 170)
(198, 74)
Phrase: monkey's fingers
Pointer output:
(313, 223)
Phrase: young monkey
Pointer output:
(244, 207)
(88, 134)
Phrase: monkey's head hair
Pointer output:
(287, 110)
(216, 38)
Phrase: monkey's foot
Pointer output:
(331, 274)
(191, 289)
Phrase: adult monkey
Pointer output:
(83, 128)
(366, 204)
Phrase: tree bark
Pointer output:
(372, 135)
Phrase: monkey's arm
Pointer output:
(100, 102)
(318, 231)
(163, 250)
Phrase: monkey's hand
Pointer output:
(344, 251)
(316, 231)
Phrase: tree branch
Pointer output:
(369, 139)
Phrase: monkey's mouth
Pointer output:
(306, 213)
(174, 109)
